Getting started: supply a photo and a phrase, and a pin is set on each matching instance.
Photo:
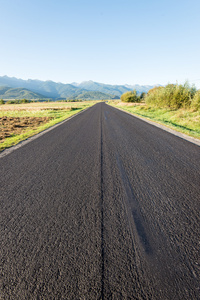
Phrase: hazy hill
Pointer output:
(140, 88)
(91, 95)
(117, 90)
(112, 89)
(18, 93)
(55, 90)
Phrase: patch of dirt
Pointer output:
(10, 126)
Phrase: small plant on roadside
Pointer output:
(131, 97)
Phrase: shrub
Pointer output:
(155, 96)
(2, 101)
(173, 96)
(130, 97)
(142, 96)
(196, 101)
(24, 101)
(11, 102)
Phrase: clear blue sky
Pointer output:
(109, 41)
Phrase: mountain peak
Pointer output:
(87, 82)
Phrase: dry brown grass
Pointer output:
(10, 126)
(35, 106)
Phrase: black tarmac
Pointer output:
(105, 206)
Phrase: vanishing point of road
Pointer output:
(104, 206)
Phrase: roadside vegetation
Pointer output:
(176, 106)
(132, 96)
(174, 96)
(20, 121)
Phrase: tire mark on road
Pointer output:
(131, 199)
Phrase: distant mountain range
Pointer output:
(14, 88)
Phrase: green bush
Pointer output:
(173, 96)
(155, 96)
(142, 96)
(11, 102)
(25, 101)
(2, 101)
(196, 101)
(130, 97)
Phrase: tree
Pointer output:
(143, 94)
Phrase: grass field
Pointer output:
(183, 120)
(20, 121)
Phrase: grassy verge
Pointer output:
(183, 120)
(54, 112)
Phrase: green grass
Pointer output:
(183, 120)
(57, 111)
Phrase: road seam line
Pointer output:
(102, 218)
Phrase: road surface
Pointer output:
(105, 206)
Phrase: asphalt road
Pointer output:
(105, 206)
